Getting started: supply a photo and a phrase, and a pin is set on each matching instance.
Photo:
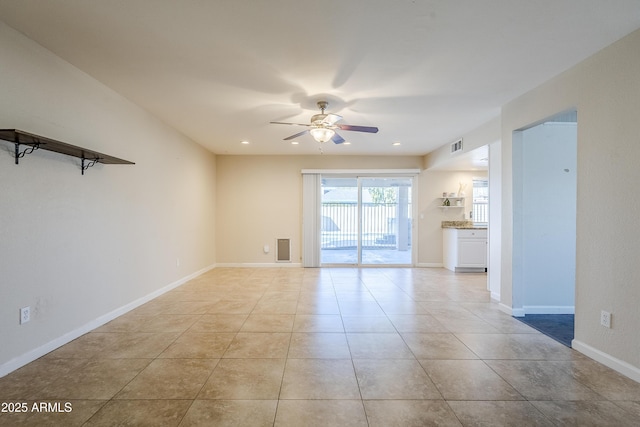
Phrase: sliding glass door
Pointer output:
(366, 220)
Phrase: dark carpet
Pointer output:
(557, 326)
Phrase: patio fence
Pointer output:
(379, 229)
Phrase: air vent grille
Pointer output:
(283, 250)
(456, 146)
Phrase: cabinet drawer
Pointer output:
(472, 233)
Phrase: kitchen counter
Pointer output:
(463, 225)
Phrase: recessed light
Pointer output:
(396, 143)
(244, 142)
(294, 143)
(346, 143)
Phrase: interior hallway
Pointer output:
(306, 347)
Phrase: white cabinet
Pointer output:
(465, 249)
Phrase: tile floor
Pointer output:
(321, 347)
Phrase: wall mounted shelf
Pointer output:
(35, 142)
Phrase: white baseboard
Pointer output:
(495, 297)
(430, 265)
(38, 352)
(618, 365)
(260, 265)
(536, 309)
(549, 309)
(515, 312)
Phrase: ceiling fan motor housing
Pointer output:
(317, 119)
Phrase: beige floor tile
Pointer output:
(97, 379)
(259, 345)
(318, 345)
(143, 413)
(516, 346)
(401, 413)
(232, 306)
(605, 381)
(378, 346)
(268, 323)
(167, 322)
(27, 382)
(280, 295)
(543, 380)
(319, 379)
(328, 346)
(468, 380)
(193, 345)
(496, 413)
(466, 325)
(629, 406)
(587, 414)
(140, 345)
(169, 379)
(275, 307)
(237, 413)
(367, 324)
(251, 379)
(320, 413)
(437, 346)
(318, 323)
(402, 307)
(420, 323)
(318, 306)
(198, 306)
(360, 308)
(394, 379)
(219, 323)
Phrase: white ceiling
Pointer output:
(423, 71)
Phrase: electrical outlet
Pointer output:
(25, 314)
(605, 319)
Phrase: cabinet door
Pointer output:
(472, 253)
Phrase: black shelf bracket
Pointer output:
(26, 151)
(89, 164)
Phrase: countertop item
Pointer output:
(463, 225)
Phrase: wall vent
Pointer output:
(283, 250)
(456, 146)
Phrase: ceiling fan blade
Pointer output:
(286, 123)
(331, 119)
(296, 135)
(370, 129)
(337, 139)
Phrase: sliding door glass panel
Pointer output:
(339, 221)
(386, 221)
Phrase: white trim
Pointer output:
(38, 352)
(515, 312)
(549, 309)
(616, 364)
(311, 220)
(360, 172)
(429, 265)
(495, 296)
(259, 265)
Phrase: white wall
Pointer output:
(260, 199)
(605, 90)
(432, 184)
(80, 249)
(544, 165)
(495, 219)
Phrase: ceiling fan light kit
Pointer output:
(323, 126)
(322, 134)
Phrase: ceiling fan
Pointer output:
(323, 126)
